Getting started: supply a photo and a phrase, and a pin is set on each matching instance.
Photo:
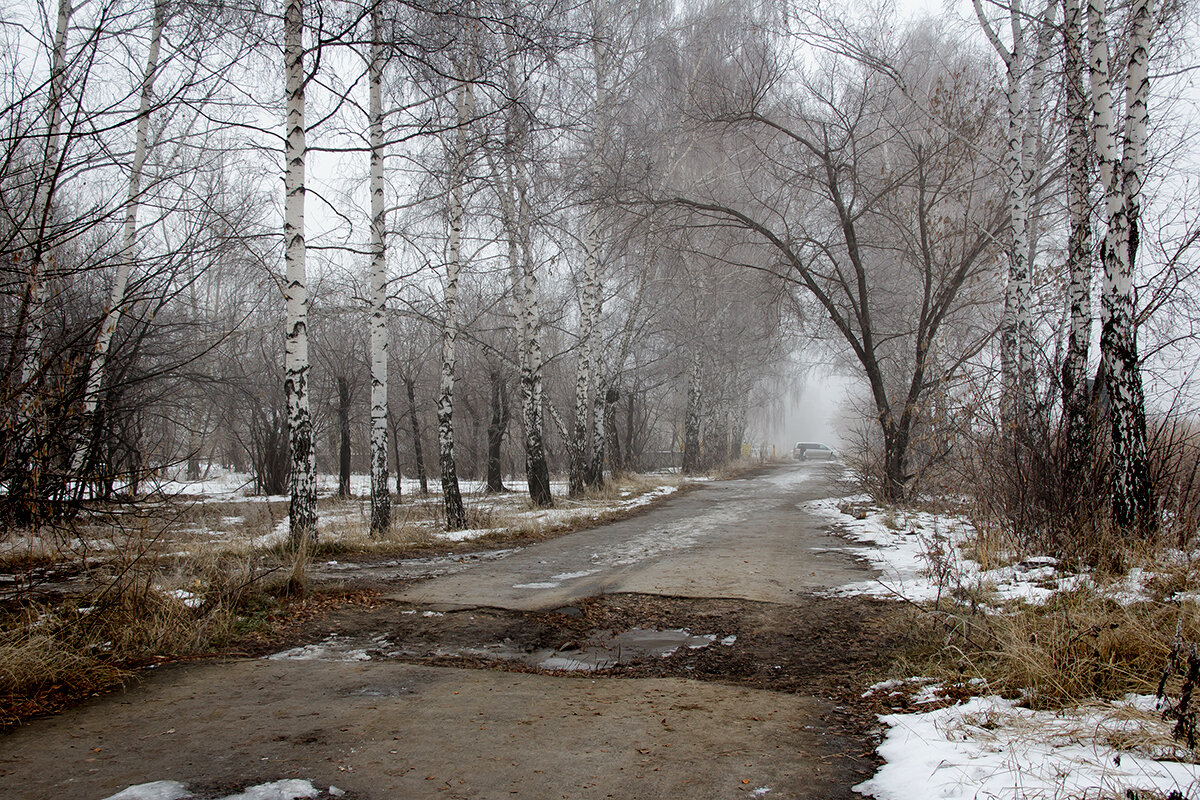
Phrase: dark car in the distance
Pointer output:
(813, 451)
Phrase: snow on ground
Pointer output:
(292, 789)
(923, 557)
(991, 748)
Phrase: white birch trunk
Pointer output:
(1076, 401)
(514, 198)
(1015, 326)
(381, 501)
(112, 315)
(1121, 180)
(455, 513)
(302, 511)
(585, 378)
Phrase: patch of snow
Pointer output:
(989, 747)
(156, 790)
(729, 640)
(464, 535)
(537, 585)
(187, 598)
(760, 791)
(922, 557)
(330, 649)
(566, 576)
(292, 789)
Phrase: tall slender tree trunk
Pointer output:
(418, 449)
(1076, 398)
(518, 221)
(395, 438)
(456, 518)
(344, 453)
(612, 436)
(302, 511)
(1016, 328)
(631, 443)
(691, 424)
(497, 428)
(381, 501)
(579, 475)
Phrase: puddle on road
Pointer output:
(408, 568)
(600, 651)
(636, 644)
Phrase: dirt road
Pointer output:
(681, 653)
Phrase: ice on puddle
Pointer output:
(291, 789)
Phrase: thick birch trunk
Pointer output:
(691, 425)
(1076, 399)
(455, 513)
(1122, 185)
(302, 511)
(381, 502)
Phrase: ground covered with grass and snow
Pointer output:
(1017, 724)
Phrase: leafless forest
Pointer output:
(536, 245)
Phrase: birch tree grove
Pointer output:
(1121, 180)
(1022, 117)
(302, 511)
(381, 504)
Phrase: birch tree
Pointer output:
(381, 507)
(583, 469)
(1121, 179)
(128, 254)
(302, 510)
(464, 110)
(1022, 120)
(1076, 398)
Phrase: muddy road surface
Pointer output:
(688, 652)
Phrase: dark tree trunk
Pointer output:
(416, 434)
(736, 434)
(496, 430)
(343, 386)
(631, 448)
(691, 423)
(611, 434)
(396, 456)
(895, 457)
